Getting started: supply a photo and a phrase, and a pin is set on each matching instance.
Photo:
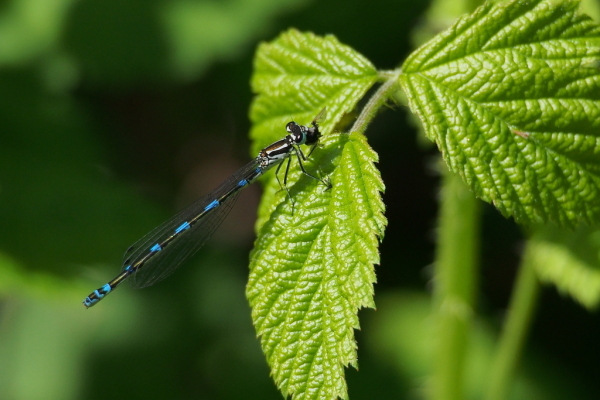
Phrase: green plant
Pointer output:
(510, 95)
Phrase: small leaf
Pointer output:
(568, 259)
(299, 74)
(312, 269)
(511, 96)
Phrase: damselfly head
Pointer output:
(296, 132)
(293, 128)
(306, 135)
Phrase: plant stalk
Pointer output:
(378, 99)
(454, 286)
(519, 318)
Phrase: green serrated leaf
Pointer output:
(511, 96)
(299, 74)
(312, 269)
(568, 259)
(312, 266)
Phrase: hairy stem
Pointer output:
(377, 100)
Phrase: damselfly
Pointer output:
(156, 255)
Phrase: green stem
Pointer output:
(379, 98)
(455, 272)
(519, 317)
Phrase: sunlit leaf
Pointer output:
(511, 96)
(312, 266)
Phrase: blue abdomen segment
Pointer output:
(182, 227)
(213, 204)
(97, 295)
(155, 248)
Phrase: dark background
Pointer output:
(115, 114)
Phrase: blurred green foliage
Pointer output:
(114, 114)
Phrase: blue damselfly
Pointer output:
(156, 255)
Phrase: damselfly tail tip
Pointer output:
(97, 295)
(88, 302)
